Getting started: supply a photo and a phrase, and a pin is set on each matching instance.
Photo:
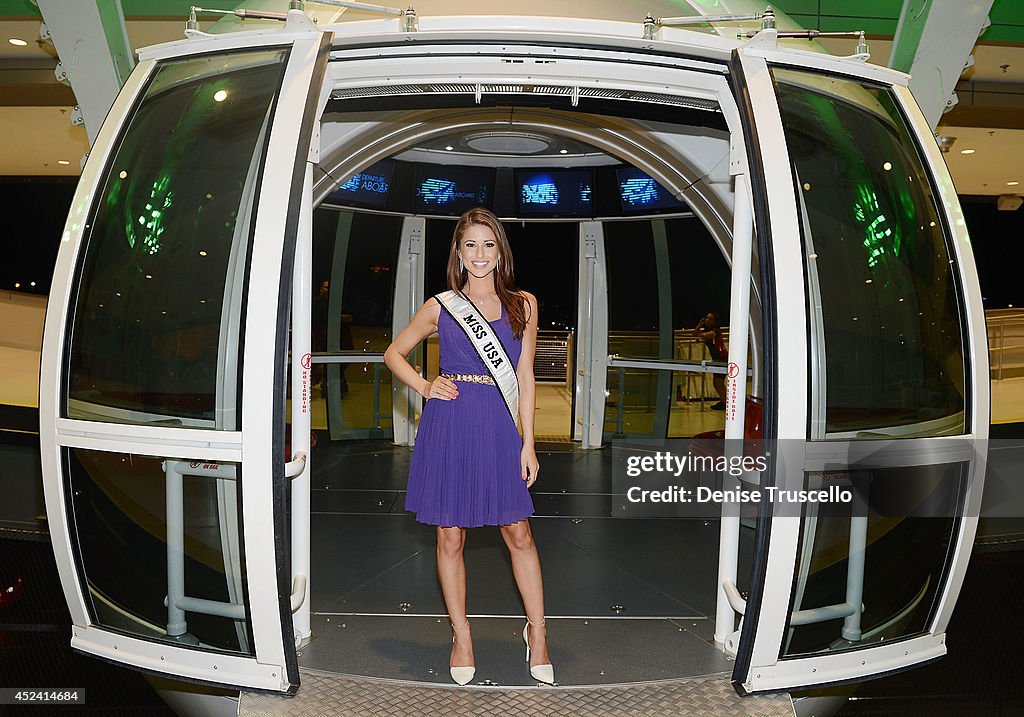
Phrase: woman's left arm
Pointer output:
(528, 391)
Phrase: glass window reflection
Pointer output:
(881, 279)
(155, 335)
(891, 547)
(130, 560)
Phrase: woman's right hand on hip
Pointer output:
(442, 387)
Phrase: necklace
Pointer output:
(480, 300)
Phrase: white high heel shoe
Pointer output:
(462, 675)
(541, 673)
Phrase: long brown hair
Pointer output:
(504, 274)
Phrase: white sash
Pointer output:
(488, 346)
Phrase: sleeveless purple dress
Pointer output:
(465, 467)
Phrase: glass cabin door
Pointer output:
(881, 382)
(164, 359)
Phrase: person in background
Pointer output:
(710, 332)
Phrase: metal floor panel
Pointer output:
(609, 651)
(345, 696)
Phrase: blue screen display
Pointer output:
(564, 192)
(452, 190)
(639, 192)
(369, 187)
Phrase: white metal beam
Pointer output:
(95, 57)
(933, 43)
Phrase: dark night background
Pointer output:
(34, 210)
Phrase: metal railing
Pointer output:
(1005, 343)
(551, 360)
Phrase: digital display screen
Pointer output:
(452, 190)
(561, 192)
(638, 192)
(369, 187)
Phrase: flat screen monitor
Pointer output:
(639, 192)
(369, 188)
(452, 190)
(555, 192)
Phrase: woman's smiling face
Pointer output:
(479, 250)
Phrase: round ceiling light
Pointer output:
(520, 143)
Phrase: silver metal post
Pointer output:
(175, 487)
(620, 409)
(366, 7)
(649, 27)
(855, 575)
(862, 45)
(410, 21)
(735, 403)
(1002, 346)
(588, 376)
(410, 400)
(377, 368)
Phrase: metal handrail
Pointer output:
(1005, 341)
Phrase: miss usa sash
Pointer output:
(488, 346)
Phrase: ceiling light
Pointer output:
(123, 174)
(967, 151)
(17, 41)
(449, 147)
(563, 151)
(220, 95)
(202, 253)
(63, 161)
(1012, 184)
(887, 166)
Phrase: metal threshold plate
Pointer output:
(347, 696)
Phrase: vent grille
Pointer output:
(356, 92)
(462, 88)
(451, 89)
(551, 90)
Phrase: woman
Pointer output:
(711, 333)
(470, 467)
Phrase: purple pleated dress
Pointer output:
(465, 465)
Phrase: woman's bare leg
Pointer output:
(526, 569)
(451, 571)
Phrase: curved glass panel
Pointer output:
(886, 327)
(355, 261)
(664, 277)
(872, 570)
(155, 335)
(161, 548)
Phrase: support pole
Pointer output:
(855, 566)
(302, 293)
(175, 487)
(735, 404)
